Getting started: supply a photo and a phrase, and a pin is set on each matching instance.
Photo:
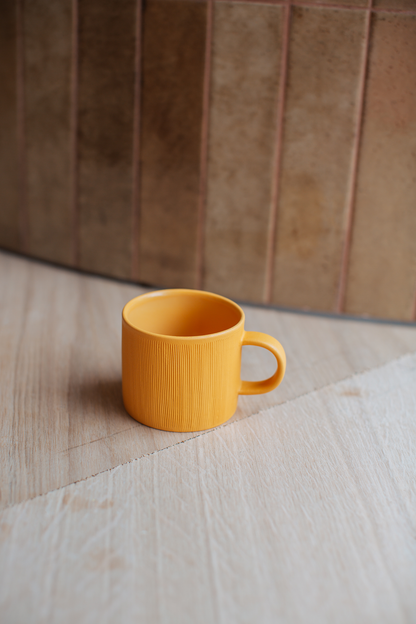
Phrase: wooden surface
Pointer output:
(300, 509)
(60, 383)
(304, 512)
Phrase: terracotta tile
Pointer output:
(324, 67)
(173, 71)
(353, 3)
(382, 273)
(47, 71)
(244, 92)
(9, 201)
(105, 134)
(396, 4)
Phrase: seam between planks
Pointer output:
(209, 431)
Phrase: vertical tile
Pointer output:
(173, 71)
(410, 5)
(324, 69)
(9, 202)
(47, 72)
(105, 134)
(382, 271)
(245, 78)
(352, 3)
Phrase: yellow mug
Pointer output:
(181, 359)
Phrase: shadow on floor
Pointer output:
(98, 398)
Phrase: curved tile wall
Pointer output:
(262, 150)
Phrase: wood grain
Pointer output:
(246, 62)
(62, 417)
(382, 270)
(171, 125)
(303, 513)
(319, 126)
(9, 166)
(105, 134)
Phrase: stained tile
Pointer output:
(325, 58)
(9, 201)
(382, 273)
(396, 4)
(244, 92)
(47, 72)
(172, 87)
(352, 3)
(105, 134)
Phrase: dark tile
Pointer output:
(9, 184)
(325, 62)
(395, 4)
(352, 3)
(382, 271)
(47, 94)
(244, 94)
(105, 134)
(173, 72)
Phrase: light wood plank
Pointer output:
(246, 63)
(382, 271)
(305, 512)
(62, 417)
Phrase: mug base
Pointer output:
(180, 427)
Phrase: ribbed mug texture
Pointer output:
(181, 383)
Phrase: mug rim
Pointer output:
(171, 291)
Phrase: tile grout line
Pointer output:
(73, 133)
(21, 131)
(275, 194)
(215, 429)
(203, 175)
(352, 190)
(135, 216)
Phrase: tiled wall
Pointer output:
(262, 150)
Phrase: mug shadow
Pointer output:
(99, 398)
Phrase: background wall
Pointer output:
(265, 151)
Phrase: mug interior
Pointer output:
(182, 313)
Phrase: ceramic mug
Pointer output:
(181, 359)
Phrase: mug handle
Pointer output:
(257, 339)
